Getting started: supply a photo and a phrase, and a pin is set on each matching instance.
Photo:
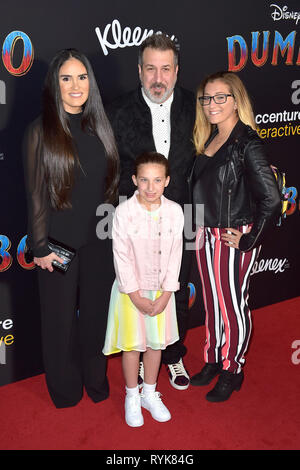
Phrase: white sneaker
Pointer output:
(133, 412)
(152, 402)
(178, 376)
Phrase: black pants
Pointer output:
(74, 308)
(175, 351)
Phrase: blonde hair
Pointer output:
(203, 128)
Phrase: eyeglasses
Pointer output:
(221, 98)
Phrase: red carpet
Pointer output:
(264, 414)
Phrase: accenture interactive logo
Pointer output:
(283, 123)
(6, 338)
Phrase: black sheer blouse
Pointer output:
(76, 226)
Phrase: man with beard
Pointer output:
(159, 116)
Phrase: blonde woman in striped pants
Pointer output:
(233, 181)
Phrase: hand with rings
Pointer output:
(232, 237)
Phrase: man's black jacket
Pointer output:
(131, 121)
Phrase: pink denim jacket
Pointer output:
(147, 246)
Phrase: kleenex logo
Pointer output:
(121, 39)
(276, 265)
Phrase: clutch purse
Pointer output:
(64, 252)
(61, 250)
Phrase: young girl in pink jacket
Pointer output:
(147, 247)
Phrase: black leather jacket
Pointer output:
(237, 186)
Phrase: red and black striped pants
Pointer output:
(225, 275)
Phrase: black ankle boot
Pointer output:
(227, 383)
(205, 376)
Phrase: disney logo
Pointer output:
(276, 265)
(282, 13)
(127, 38)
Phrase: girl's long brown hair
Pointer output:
(58, 150)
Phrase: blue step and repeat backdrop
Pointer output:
(257, 39)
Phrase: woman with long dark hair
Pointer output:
(233, 180)
(71, 167)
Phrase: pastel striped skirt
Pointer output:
(128, 329)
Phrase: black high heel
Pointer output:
(207, 374)
(227, 383)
